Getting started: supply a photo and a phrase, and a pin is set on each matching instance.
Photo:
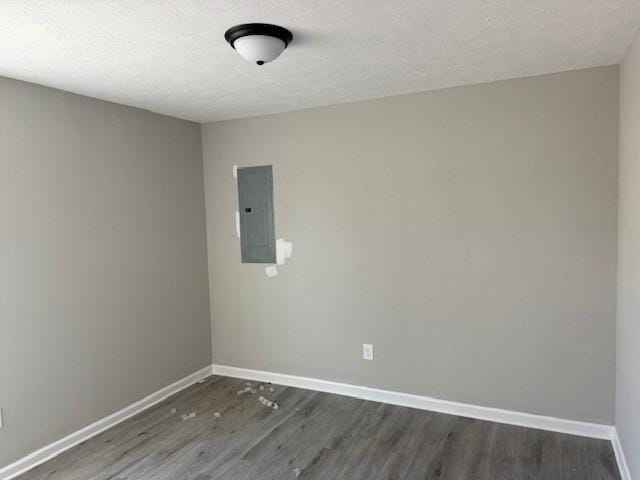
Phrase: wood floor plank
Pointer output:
(219, 430)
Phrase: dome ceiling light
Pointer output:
(259, 43)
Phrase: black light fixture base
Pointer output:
(246, 29)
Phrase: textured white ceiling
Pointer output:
(170, 56)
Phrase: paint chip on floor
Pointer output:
(248, 389)
(268, 403)
(297, 472)
(186, 416)
(217, 415)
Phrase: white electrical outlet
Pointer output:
(367, 351)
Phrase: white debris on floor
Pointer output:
(263, 400)
(217, 415)
(186, 416)
(268, 403)
(297, 472)
(248, 389)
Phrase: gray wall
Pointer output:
(628, 346)
(469, 233)
(103, 277)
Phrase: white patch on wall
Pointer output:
(271, 271)
(284, 250)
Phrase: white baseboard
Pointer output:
(585, 429)
(625, 474)
(573, 427)
(40, 456)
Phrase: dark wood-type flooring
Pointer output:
(314, 435)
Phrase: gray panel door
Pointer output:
(257, 230)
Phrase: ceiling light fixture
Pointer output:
(259, 43)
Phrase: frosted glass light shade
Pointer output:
(258, 42)
(259, 48)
